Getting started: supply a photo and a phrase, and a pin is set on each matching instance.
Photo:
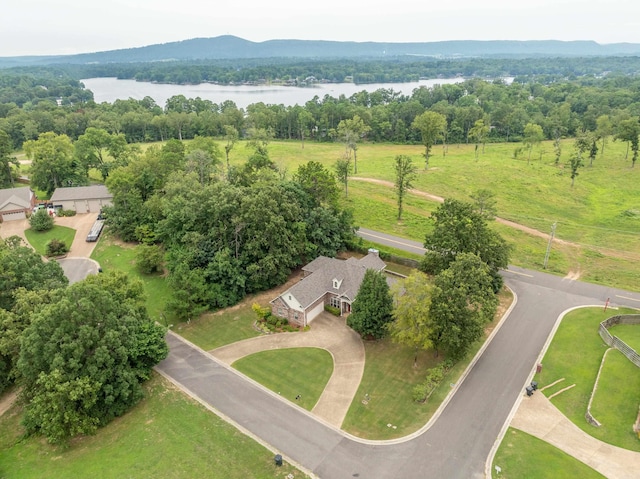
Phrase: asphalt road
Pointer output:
(77, 269)
(456, 445)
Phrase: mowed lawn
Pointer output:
(167, 435)
(522, 456)
(297, 374)
(575, 354)
(39, 239)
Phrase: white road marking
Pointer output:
(392, 241)
(630, 299)
(521, 274)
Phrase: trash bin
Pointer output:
(278, 460)
(534, 385)
(529, 390)
(539, 368)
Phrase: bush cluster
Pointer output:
(66, 212)
(41, 220)
(423, 391)
(56, 247)
(332, 310)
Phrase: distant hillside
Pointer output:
(230, 47)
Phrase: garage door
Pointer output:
(80, 206)
(315, 312)
(95, 206)
(13, 216)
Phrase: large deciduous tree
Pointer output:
(318, 182)
(405, 174)
(84, 356)
(629, 131)
(411, 324)
(371, 310)
(97, 148)
(462, 303)
(53, 163)
(7, 162)
(432, 127)
(533, 135)
(343, 170)
(459, 228)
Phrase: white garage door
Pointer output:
(13, 216)
(315, 312)
(80, 206)
(95, 206)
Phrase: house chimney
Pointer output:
(374, 251)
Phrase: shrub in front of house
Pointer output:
(331, 309)
(41, 220)
(56, 247)
(66, 212)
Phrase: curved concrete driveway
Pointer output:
(327, 332)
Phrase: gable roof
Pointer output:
(15, 198)
(348, 275)
(81, 193)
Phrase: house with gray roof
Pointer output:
(82, 199)
(326, 281)
(15, 203)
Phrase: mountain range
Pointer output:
(231, 47)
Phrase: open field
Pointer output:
(616, 402)
(523, 456)
(600, 214)
(167, 435)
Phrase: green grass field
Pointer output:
(629, 333)
(121, 257)
(39, 239)
(522, 456)
(290, 372)
(575, 353)
(167, 435)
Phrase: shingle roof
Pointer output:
(349, 275)
(81, 193)
(16, 196)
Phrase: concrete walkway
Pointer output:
(537, 416)
(327, 332)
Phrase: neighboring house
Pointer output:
(327, 281)
(15, 203)
(82, 199)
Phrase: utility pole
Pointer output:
(546, 256)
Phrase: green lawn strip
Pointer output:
(388, 381)
(615, 404)
(39, 239)
(292, 372)
(121, 257)
(575, 353)
(629, 333)
(212, 330)
(522, 456)
(167, 435)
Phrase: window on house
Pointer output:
(334, 302)
(280, 312)
(295, 315)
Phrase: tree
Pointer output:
(479, 134)
(432, 127)
(604, 129)
(41, 220)
(52, 164)
(575, 163)
(6, 161)
(629, 131)
(462, 303)
(84, 356)
(458, 229)
(411, 324)
(405, 174)
(149, 258)
(351, 131)
(99, 149)
(318, 182)
(201, 163)
(343, 171)
(371, 310)
(533, 135)
(485, 203)
(231, 138)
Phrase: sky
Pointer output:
(53, 27)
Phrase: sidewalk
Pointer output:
(537, 416)
(327, 332)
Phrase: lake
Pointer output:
(111, 89)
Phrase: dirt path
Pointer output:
(7, 401)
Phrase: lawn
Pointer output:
(523, 456)
(121, 257)
(212, 330)
(39, 239)
(167, 435)
(388, 381)
(629, 333)
(575, 353)
(280, 370)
